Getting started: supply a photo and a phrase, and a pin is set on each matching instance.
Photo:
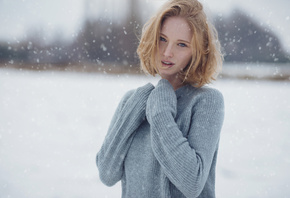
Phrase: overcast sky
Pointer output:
(56, 17)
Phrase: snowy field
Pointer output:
(53, 123)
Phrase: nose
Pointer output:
(168, 51)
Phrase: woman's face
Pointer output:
(174, 47)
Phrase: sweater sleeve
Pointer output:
(127, 118)
(185, 161)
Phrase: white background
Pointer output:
(52, 124)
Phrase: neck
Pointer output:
(176, 83)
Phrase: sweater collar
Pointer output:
(182, 90)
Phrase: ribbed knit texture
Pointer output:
(163, 143)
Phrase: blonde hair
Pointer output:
(207, 58)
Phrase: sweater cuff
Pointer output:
(162, 99)
(165, 93)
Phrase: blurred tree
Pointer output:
(244, 40)
(13, 53)
(108, 40)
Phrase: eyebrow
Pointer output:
(180, 40)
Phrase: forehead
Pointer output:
(176, 27)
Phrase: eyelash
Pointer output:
(162, 39)
(182, 45)
(179, 44)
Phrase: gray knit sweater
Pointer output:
(163, 143)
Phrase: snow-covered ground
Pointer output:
(53, 123)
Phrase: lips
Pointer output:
(167, 63)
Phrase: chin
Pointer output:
(167, 76)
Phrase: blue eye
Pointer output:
(162, 39)
(182, 45)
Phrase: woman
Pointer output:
(163, 140)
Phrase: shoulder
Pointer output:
(210, 93)
(207, 96)
(204, 92)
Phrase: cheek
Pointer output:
(161, 47)
(186, 58)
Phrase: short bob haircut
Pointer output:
(206, 61)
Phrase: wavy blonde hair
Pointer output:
(206, 61)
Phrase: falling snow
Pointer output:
(53, 124)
